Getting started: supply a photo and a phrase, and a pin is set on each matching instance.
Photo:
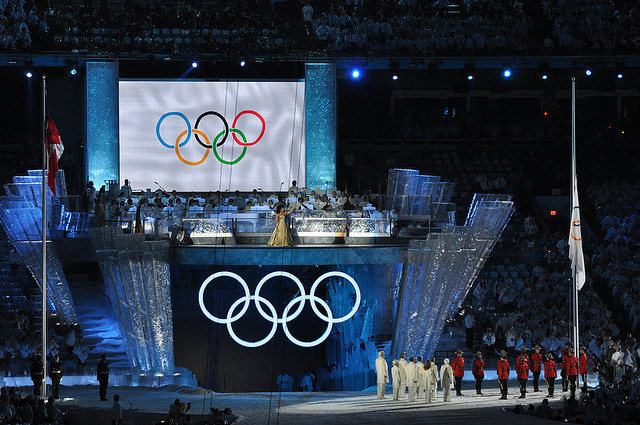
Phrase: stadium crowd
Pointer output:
(332, 27)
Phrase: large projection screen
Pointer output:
(257, 127)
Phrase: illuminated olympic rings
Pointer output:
(218, 141)
(272, 315)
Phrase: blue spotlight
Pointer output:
(545, 76)
(242, 63)
(587, 72)
(470, 77)
(194, 64)
(73, 71)
(507, 73)
(28, 74)
(395, 77)
(620, 75)
(355, 73)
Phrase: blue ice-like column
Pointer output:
(440, 270)
(320, 124)
(137, 282)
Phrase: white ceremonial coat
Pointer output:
(426, 383)
(382, 371)
(420, 385)
(446, 381)
(434, 380)
(402, 364)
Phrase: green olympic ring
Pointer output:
(215, 149)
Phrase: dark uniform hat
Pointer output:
(523, 348)
(459, 351)
(503, 353)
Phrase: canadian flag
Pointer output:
(55, 148)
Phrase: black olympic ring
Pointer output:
(226, 129)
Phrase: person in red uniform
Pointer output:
(503, 374)
(584, 369)
(563, 368)
(478, 372)
(571, 366)
(536, 367)
(522, 369)
(458, 371)
(550, 373)
(523, 352)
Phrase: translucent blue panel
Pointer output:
(320, 123)
(102, 162)
(137, 282)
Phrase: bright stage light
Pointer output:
(395, 77)
(470, 77)
(242, 63)
(507, 73)
(620, 75)
(355, 74)
(587, 72)
(194, 64)
(28, 74)
(73, 71)
(545, 76)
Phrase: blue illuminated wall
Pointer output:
(102, 122)
(320, 124)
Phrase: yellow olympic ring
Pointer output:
(206, 152)
(575, 224)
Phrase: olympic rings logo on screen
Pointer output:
(218, 140)
(272, 315)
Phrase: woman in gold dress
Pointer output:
(281, 235)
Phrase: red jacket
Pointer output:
(458, 367)
(522, 369)
(571, 364)
(526, 356)
(583, 364)
(550, 369)
(503, 369)
(478, 368)
(536, 365)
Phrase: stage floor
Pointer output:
(149, 405)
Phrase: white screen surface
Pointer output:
(156, 114)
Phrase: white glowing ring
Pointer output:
(290, 276)
(301, 300)
(246, 298)
(273, 319)
(312, 297)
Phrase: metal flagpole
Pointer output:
(45, 163)
(574, 287)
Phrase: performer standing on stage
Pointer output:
(420, 386)
(382, 373)
(550, 373)
(281, 235)
(571, 365)
(402, 364)
(563, 367)
(395, 378)
(503, 374)
(103, 376)
(478, 372)
(55, 373)
(458, 371)
(522, 369)
(584, 368)
(426, 380)
(434, 378)
(536, 367)
(446, 380)
(412, 378)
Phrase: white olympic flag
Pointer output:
(230, 135)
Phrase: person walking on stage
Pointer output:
(55, 373)
(412, 378)
(536, 367)
(382, 374)
(395, 378)
(37, 374)
(571, 367)
(550, 373)
(103, 376)
(584, 368)
(503, 374)
(446, 380)
(478, 372)
(458, 371)
(522, 369)
(402, 364)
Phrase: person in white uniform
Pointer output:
(412, 378)
(427, 376)
(446, 380)
(420, 387)
(382, 372)
(434, 378)
(395, 378)
(402, 363)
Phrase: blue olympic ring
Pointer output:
(181, 115)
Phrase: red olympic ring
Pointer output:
(264, 126)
